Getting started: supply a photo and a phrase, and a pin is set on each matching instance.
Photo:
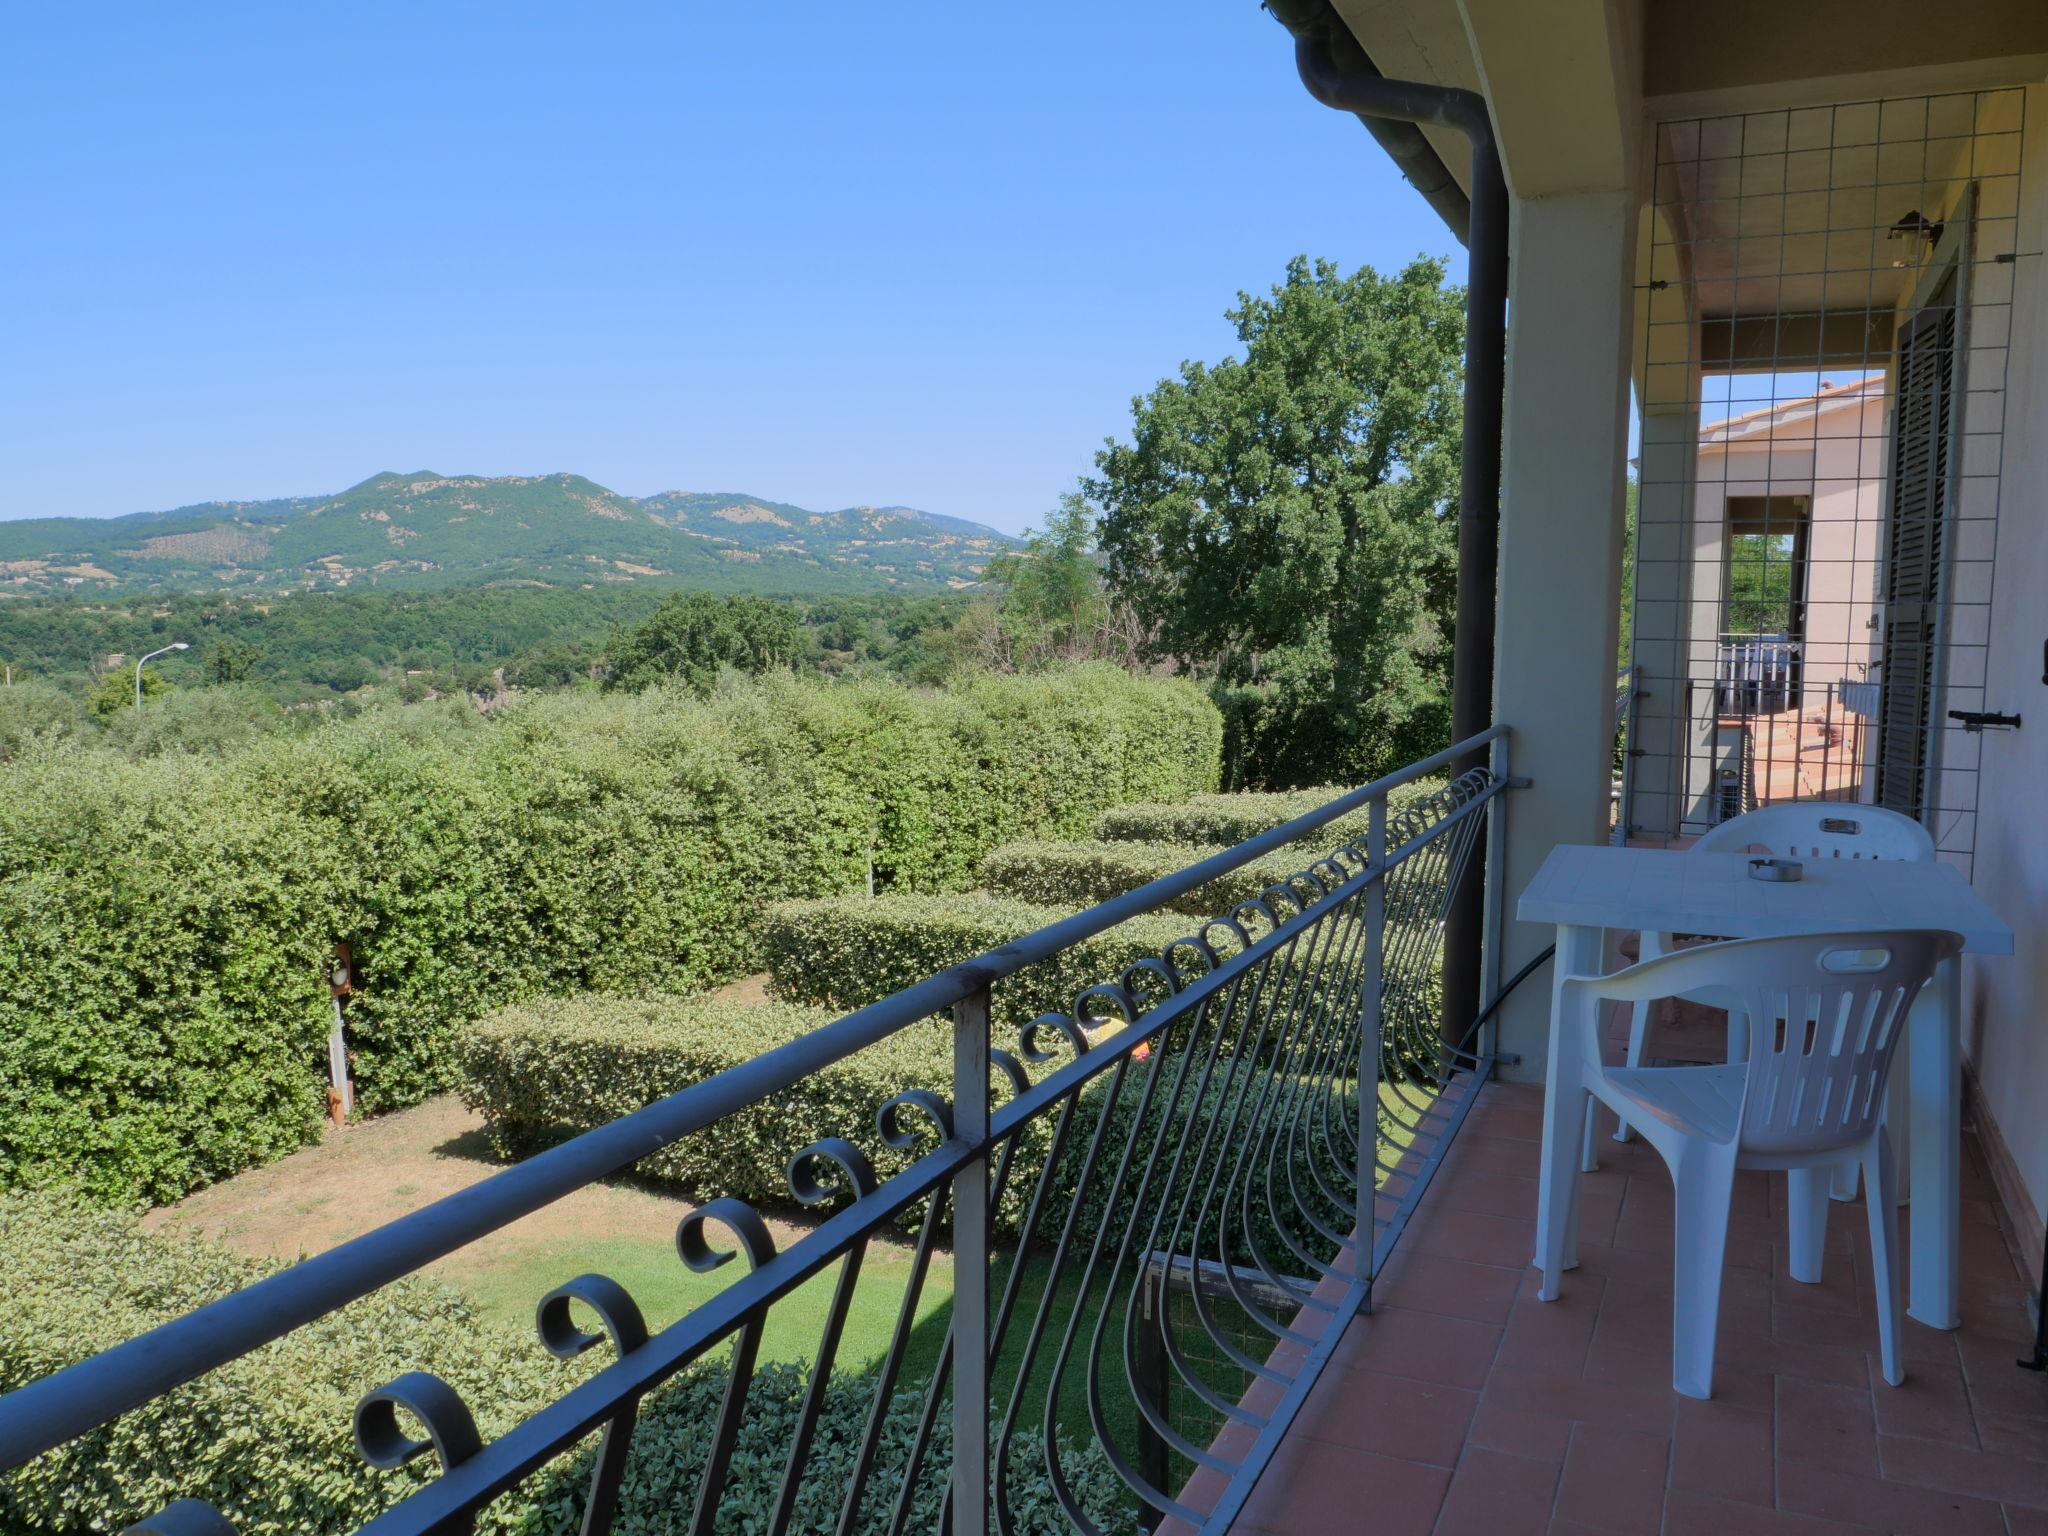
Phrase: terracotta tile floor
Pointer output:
(1465, 1405)
(1805, 754)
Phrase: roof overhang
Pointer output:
(1559, 80)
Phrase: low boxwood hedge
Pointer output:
(1231, 818)
(266, 1439)
(1073, 875)
(544, 1070)
(845, 952)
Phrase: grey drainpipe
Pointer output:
(1412, 154)
(1375, 98)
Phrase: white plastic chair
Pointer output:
(1825, 1014)
(1801, 829)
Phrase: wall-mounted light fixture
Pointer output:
(1910, 226)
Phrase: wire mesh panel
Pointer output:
(1824, 303)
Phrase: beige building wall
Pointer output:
(1845, 544)
(2005, 1001)
(1833, 459)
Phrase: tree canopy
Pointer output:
(693, 634)
(1280, 522)
(116, 690)
(1047, 602)
(1761, 568)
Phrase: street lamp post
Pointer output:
(175, 645)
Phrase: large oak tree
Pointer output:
(1283, 522)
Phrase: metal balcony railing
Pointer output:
(1756, 673)
(1772, 740)
(1163, 1206)
(1627, 684)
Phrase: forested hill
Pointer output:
(315, 644)
(899, 541)
(427, 530)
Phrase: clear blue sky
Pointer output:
(827, 253)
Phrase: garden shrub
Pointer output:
(674, 1435)
(220, 719)
(845, 952)
(555, 1067)
(1062, 747)
(266, 1439)
(162, 1002)
(1231, 818)
(35, 714)
(164, 923)
(543, 1071)
(1079, 874)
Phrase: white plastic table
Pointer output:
(1585, 890)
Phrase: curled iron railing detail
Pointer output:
(1187, 1183)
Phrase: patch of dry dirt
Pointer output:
(374, 1172)
(748, 989)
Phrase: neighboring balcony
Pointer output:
(1766, 728)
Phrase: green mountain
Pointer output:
(426, 530)
(901, 545)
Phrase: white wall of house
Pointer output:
(2006, 1000)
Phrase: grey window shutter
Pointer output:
(1913, 554)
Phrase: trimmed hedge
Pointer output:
(162, 1001)
(846, 952)
(543, 1071)
(266, 1439)
(1073, 875)
(1230, 819)
(555, 1067)
(164, 924)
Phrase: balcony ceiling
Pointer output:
(1741, 45)
(1792, 212)
(1568, 84)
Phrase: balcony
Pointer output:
(1756, 674)
(1243, 1238)
(1462, 1404)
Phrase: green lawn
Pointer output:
(666, 1291)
